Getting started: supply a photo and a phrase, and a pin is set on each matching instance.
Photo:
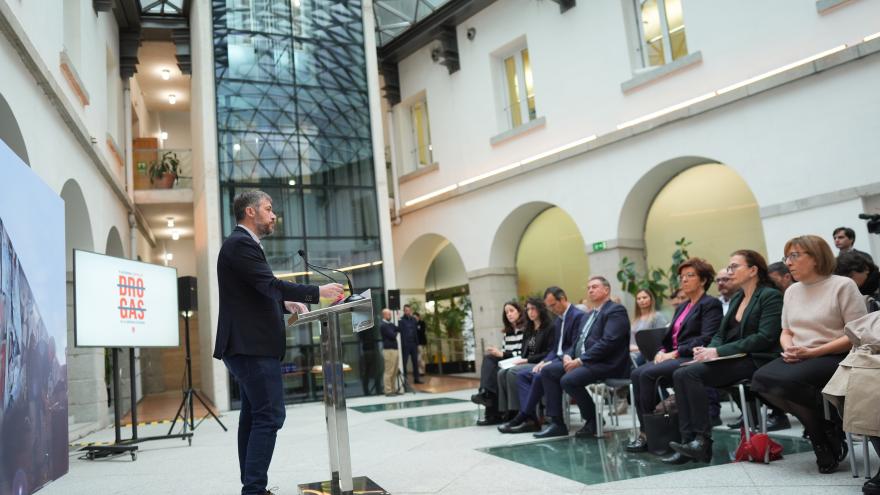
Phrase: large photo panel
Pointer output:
(33, 330)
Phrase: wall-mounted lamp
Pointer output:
(169, 257)
(163, 135)
(175, 235)
(166, 74)
(172, 98)
(170, 222)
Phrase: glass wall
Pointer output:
(293, 120)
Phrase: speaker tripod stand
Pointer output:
(185, 412)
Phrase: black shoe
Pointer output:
(482, 399)
(737, 425)
(872, 486)
(489, 420)
(509, 415)
(553, 429)
(513, 423)
(776, 423)
(838, 441)
(699, 449)
(526, 426)
(586, 431)
(715, 421)
(638, 445)
(676, 458)
(825, 458)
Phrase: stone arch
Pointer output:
(114, 245)
(10, 132)
(634, 213)
(416, 260)
(77, 222)
(511, 230)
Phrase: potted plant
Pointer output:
(163, 172)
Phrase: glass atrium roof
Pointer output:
(162, 7)
(393, 17)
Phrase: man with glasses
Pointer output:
(725, 289)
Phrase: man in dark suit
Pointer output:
(529, 384)
(251, 332)
(409, 341)
(600, 350)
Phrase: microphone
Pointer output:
(352, 296)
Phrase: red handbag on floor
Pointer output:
(755, 448)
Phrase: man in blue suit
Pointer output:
(599, 351)
(251, 332)
(529, 384)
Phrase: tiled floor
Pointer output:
(391, 406)
(450, 461)
(161, 407)
(435, 422)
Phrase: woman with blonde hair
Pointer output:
(646, 316)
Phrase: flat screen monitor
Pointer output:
(123, 303)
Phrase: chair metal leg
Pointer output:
(745, 414)
(632, 406)
(854, 467)
(600, 431)
(763, 409)
(866, 453)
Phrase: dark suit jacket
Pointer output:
(574, 320)
(251, 320)
(698, 327)
(542, 337)
(759, 328)
(409, 331)
(389, 335)
(606, 349)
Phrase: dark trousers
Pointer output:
(371, 375)
(574, 383)
(796, 388)
(411, 352)
(489, 374)
(261, 416)
(530, 390)
(644, 380)
(691, 395)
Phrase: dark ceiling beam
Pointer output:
(430, 28)
(129, 42)
(565, 5)
(102, 5)
(127, 13)
(156, 21)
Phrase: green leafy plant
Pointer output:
(662, 283)
(168, 164)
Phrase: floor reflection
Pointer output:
(434, 422)
(592, 461)
(393, 406)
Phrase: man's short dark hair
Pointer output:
(407, 306)
(778, 267)
(848, 232)
(602, 279)
(557, 292)
(250, 198)
(850, 262)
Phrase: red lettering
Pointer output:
(122, 285)
(140, 313)
(140, 289)
(123, 311)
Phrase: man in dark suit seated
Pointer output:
(529, 386)
(251, 332)
(600, 351)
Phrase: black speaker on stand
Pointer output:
(394, 299)
(187, 302)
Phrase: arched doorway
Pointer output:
(10, 133)
(114, 244)
(88, 398)
(711, 206)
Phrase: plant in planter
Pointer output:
(164, 172)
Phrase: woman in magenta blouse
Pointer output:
(695, 322)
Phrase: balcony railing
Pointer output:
(149, 163)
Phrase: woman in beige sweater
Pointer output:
(814, 312)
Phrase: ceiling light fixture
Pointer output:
(172, 98)
(236, 147)
(169, 257)
(291, 182)
(175, 235)
(170, 222)
(166, 74)
(163, 135)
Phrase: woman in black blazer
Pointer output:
(751, 327)
(693, 325)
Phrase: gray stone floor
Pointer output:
(407, 462)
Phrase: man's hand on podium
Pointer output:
(295, 308)
(331, 291)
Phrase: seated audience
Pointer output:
(780, 276)
(751, 327)
(814, 313)
(844, 238)
(646, 316)
(529, 385)
(599, 351)
(864, 273)
(725, 289)
(693, 325)
(678, 298)
(536, 344)
(513, 319)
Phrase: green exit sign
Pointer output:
(599, 246)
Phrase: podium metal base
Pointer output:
(362, 485)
